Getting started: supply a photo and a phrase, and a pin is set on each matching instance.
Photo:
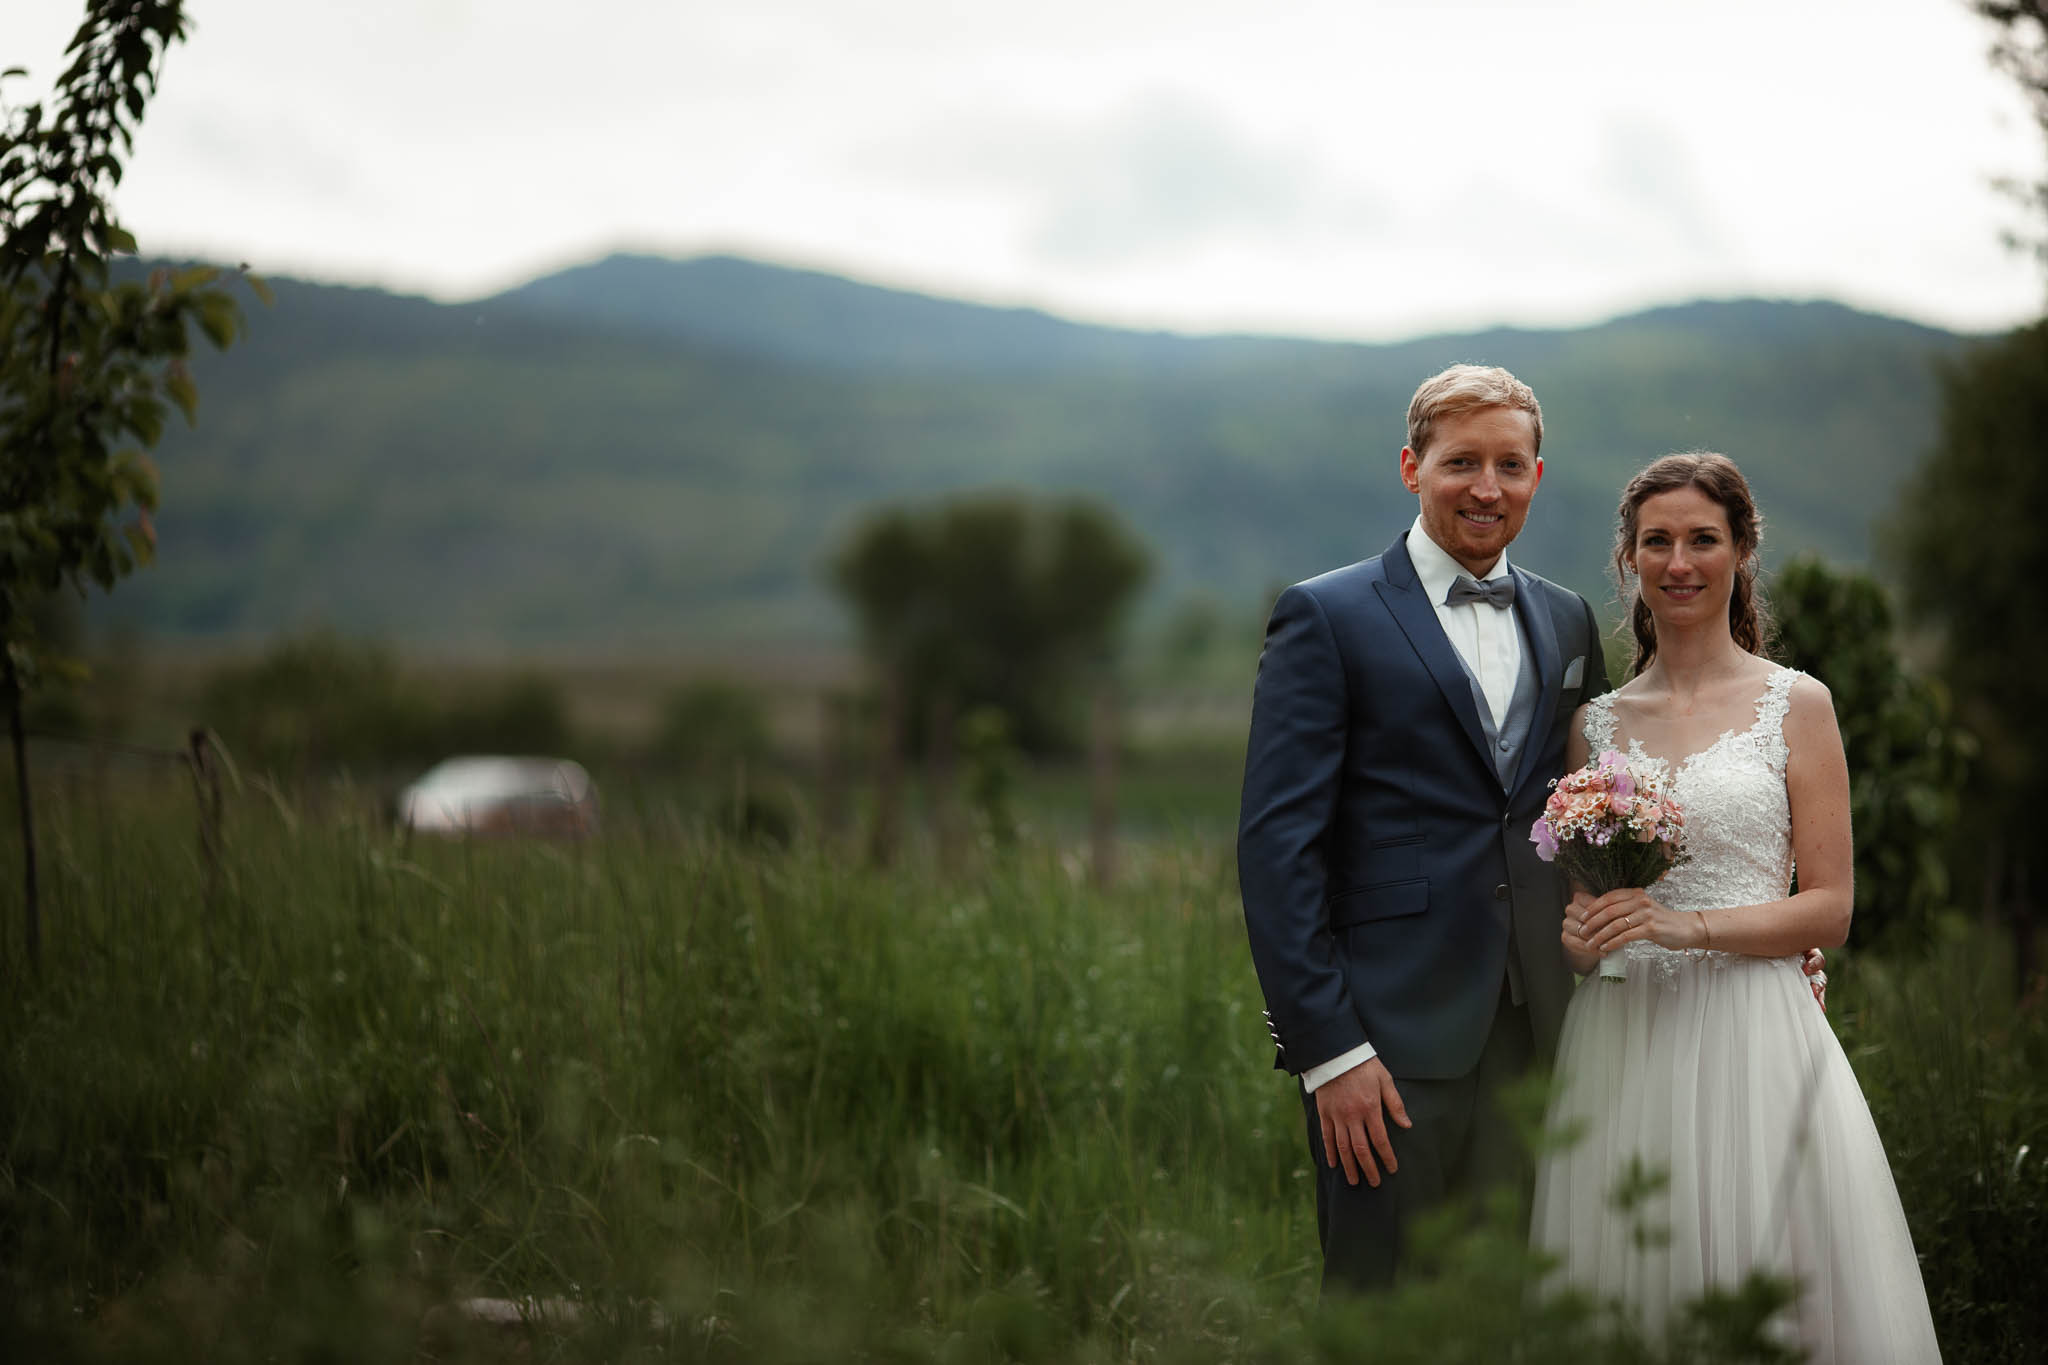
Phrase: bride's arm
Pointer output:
(1817, 787)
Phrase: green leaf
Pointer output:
(178, 384)
(217, 319)
(141, 537)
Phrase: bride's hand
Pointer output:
(1631, 916)
(1578, 954)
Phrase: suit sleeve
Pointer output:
(1597, 683)
(1294, 763)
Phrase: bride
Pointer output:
(1710, 1061)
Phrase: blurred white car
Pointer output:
(492, 795)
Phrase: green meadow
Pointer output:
(686, 1097)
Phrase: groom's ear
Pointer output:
(1411, 470)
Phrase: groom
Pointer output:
(1409, 712)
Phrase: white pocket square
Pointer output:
(1575, 672)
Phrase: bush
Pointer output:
(320, 702)
(1907, 757)
(524, 714)
(1956, 1071)
(709, 727)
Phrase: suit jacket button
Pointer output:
(1500, 893)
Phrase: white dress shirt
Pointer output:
(1488, 640)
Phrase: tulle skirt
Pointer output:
(1722, 1073)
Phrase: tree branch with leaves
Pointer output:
(92, 364)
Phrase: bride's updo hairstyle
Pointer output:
(1749, 616)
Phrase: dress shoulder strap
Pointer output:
(1599, 724)
(1771, 708)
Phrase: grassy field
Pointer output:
(748, 1103)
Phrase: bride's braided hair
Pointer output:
(1749, 615)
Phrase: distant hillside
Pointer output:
(809, 318)
(646, 454)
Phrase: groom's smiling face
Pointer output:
(1475, 481)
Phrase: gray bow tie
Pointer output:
(1498, 592)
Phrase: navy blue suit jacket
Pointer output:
(1380, 859)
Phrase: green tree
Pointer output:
(319, 701)
(524, 713)
(89, 367)
(1972, 548)
(1907, 758)
(711, 727)
(993, 600)
(1974, 553)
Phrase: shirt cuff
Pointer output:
(1324, 1072)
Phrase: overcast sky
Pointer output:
(1346, 168)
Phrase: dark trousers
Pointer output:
(1461, 1145)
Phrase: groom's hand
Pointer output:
(1814, 964)
(1354, 1109)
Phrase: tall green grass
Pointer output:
(1956, 1072)
(741, 1103)
(647, 1068)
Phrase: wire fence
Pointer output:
(203, 758)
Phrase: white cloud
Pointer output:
(1316, 165)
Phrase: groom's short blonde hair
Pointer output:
(1466, 388)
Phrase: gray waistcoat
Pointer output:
(1505, 741)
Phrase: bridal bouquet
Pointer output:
(1608, 826)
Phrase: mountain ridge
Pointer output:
(497, 473)
(679, 297)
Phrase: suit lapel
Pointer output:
(1532, 606)
(1416, 615)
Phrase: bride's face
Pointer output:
(1684, 557)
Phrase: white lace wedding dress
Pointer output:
(1720, 1070)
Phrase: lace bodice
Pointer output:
(1738, 820)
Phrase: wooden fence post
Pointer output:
(32, 914)
(206, 788)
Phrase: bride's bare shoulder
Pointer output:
(1809, 705)
(1634, 696)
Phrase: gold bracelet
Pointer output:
(1705, 932)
